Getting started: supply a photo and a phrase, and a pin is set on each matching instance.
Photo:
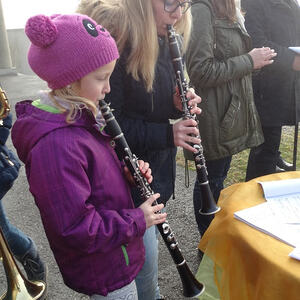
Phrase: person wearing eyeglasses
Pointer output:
(144, 98)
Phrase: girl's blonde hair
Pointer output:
(132, 24)
(74, 103)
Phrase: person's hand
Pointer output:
(296, 63)
(185, 132)
(193, 102)
(145, 171)
(262, 57)
(152, 217)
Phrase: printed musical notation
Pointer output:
(279, 216)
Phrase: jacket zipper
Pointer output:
(125, 255)
(152, 102)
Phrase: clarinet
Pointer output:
(209, 206)
(191, 287)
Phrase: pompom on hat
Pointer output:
(65, 48)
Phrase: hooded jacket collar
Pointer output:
(33, 124)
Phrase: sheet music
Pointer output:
(295, 253)
(280, 215)
(281, 188)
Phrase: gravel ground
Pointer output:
(182, 221)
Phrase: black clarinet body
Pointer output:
(191, 287)
(209, 206)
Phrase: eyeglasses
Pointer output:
(171, 6)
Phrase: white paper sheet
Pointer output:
(295, 253)
(295, 49)
(279, 189)
(280, 215)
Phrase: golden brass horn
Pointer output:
(18, 287)
(4, 105)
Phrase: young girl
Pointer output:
(144, 100)
(74, 175)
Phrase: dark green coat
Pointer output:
(220, 70)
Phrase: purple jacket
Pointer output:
(78, 185)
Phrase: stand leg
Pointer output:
(295, 147)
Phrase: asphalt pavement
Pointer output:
(23, 213)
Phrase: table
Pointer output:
(249, 264)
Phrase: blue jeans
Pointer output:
(127, 292)
(147, 279)
(18, 242)
(217, 173)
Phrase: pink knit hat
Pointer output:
(67, 47)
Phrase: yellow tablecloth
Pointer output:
(249, 264)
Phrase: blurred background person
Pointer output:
(275, 24)
(220, 63)
(22, 246)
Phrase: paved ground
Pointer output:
(24, 214)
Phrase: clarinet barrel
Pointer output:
(209, 206)
(191, 287)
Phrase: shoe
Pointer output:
(281, 163)
(34, 267)
(161, 297)
(279, 170)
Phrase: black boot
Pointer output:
(34, 267)
(279, 170)
(282, 164)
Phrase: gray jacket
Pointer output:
(220, 70)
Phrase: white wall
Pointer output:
(19, 44)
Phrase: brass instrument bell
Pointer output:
(4, 105)
(18, 287)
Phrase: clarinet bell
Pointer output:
(209, 206)
(192, 288)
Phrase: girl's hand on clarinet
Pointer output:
(152, 217)
(145, 171)
(193, 101)
(185, 132)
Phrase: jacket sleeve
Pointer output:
(5, 127)
(204, 69)
(256, 24)
(140, 134)
(62, 191)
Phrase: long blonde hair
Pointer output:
(132, 24)
(74, 103)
